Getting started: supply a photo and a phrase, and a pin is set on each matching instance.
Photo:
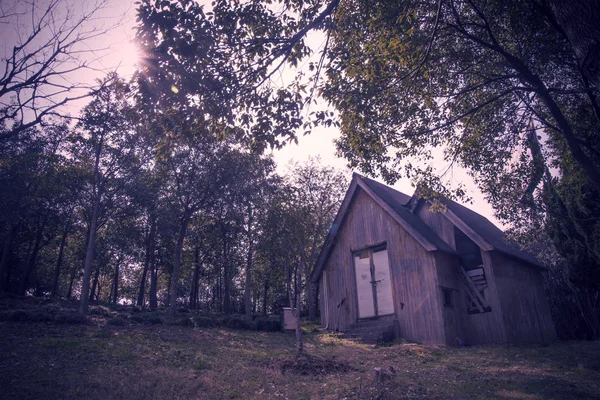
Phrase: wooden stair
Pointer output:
(372, 331)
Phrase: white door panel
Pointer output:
(364, 287)
(385, 298)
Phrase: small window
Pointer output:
(448, 297)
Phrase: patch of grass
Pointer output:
(138, 361)
(201, 364)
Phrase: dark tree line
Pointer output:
(107, 210)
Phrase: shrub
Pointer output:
(100, 310)
(138, 318)
(14, 316)
(41, 316)
(238, 322)
(153, 320)
(117, 321)
(70, 318)
(123, 315)
(205, 322)
(187, 322)
(268, 324)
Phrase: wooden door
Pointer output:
(383, 283)
(373, 283)
(364, 285)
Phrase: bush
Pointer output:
(100, 310)
(153, 320)
(268, 324)
(117, 321)
(13, 316)
(41, 316)
(70, 318)
(205, 322)
(138, 318)
(187, 322)
(238, 322)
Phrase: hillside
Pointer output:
(132, 360)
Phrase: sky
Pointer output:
(115, 50)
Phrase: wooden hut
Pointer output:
(392, 266)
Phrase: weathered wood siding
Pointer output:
(448, 278)
(437, 222)
(417, 301)
(526, 313)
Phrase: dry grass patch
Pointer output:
(143, 361)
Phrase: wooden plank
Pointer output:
(471, 286)
(467, 289)
(475, 272)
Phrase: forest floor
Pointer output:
(100, 360)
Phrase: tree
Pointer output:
(48, 42)
(405, 77)
(110, 145)
(319, 190)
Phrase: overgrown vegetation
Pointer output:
(137, 359)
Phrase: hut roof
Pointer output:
(478, 228)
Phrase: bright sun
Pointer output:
(128, 57)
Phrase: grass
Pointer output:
(97, 360)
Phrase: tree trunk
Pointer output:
(294, 303)
(265, 296)
(70, 291)
(149, 255)
(194, 290)
(61, 252)
(248, 285)
(116, 285)
(153, 284)
(177, 262)
(32, 259)
(89, 255)
(90, 294)
(226, 298)
(6, 253)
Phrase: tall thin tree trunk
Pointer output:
(33, 257)
(177, 262)
(153, 284)
(226, 297)
(6, 253)
(248, 285)
(61, 253)
(149, 255)
(294, 303)
(196, 277)
(116, 285)
(99, 292)
(94, 285)
(265, 296)
(89, 255)
(71, 280)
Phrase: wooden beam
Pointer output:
(471, 234)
